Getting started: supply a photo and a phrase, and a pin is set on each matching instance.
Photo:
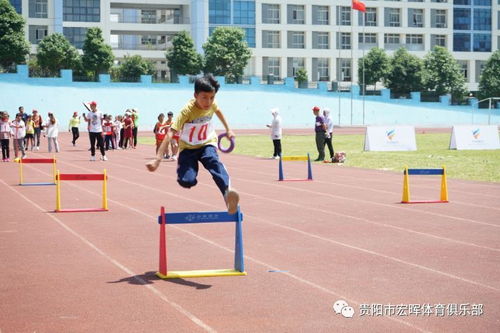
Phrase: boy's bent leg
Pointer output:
(211, 162)
(187, 167)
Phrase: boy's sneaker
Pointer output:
(232, 199)
(92, 158)
(174, 158)
(104, 158)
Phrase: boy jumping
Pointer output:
(198, 141)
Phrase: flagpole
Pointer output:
(352, 61)
(364, 83)
(339, 70)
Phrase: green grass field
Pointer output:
(432, 152)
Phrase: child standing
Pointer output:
(18, 134)
(128, 135)
(94, 120)
(160, 130)
(5, 134)
(30, 132)
(74, 127)
(108, 132)
(117, 128)
(37, 121)
(198, 141)
(52, 132)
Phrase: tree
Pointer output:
(226, 53)
(443, 73)
(97, 56)
(133, 67)
(377, 66)
(406, 74)
(55, 53)
(15, 47)
(489, 82)
(182, 57)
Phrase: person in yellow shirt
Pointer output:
(198, 141)
(30, 132)
(74, 127)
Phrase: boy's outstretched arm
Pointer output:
(220, 115)
(154, 164)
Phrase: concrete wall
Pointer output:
(245, 106)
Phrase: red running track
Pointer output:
(307, 244)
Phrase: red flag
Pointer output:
(358, 6)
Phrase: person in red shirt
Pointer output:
(128, 134)
(107, 129)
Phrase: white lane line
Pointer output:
(115, 262)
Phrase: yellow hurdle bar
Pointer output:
(200, 273)
(294, 158)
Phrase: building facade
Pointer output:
(324, 37)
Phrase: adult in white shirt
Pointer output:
(95, 119)
(52, 132)
(329, 131)
(276, 132)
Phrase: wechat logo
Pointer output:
(341, 307)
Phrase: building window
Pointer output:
(482, 19)
(461, 19)
(343, 15)
(296, 14)
(370, 17)
(438, 40)
(38, 8)
(250, 36)
(367, 38)
(391, 39)
(438, 18)
(462, 2)
(37, 33)
(415, 42)
(294, 64)
(296, 40)
(481, 43)
(271, 66)
(440, 1)
(219, 11)
(82, 10)
(344, 70)
(271, 39)
(344, 40)
(270, 13)
(321, 40)
(392, 17)
(18, 5)
(320, 15)
(76, 36)
(320, 70)
(461, 42)
(244, 12)
(415, 18)
(148, 16)
(482, 3)
(464, 66)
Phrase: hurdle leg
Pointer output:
(309, 168)
(280, 176)
(406, 186)
(21, 172)
(105, 191)
(238, 247)
(444, 186)
(163, 244)
(58, 191)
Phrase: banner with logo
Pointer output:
(390, 138)
(470, 137)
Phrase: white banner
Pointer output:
(390, 138)
(470, 137)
